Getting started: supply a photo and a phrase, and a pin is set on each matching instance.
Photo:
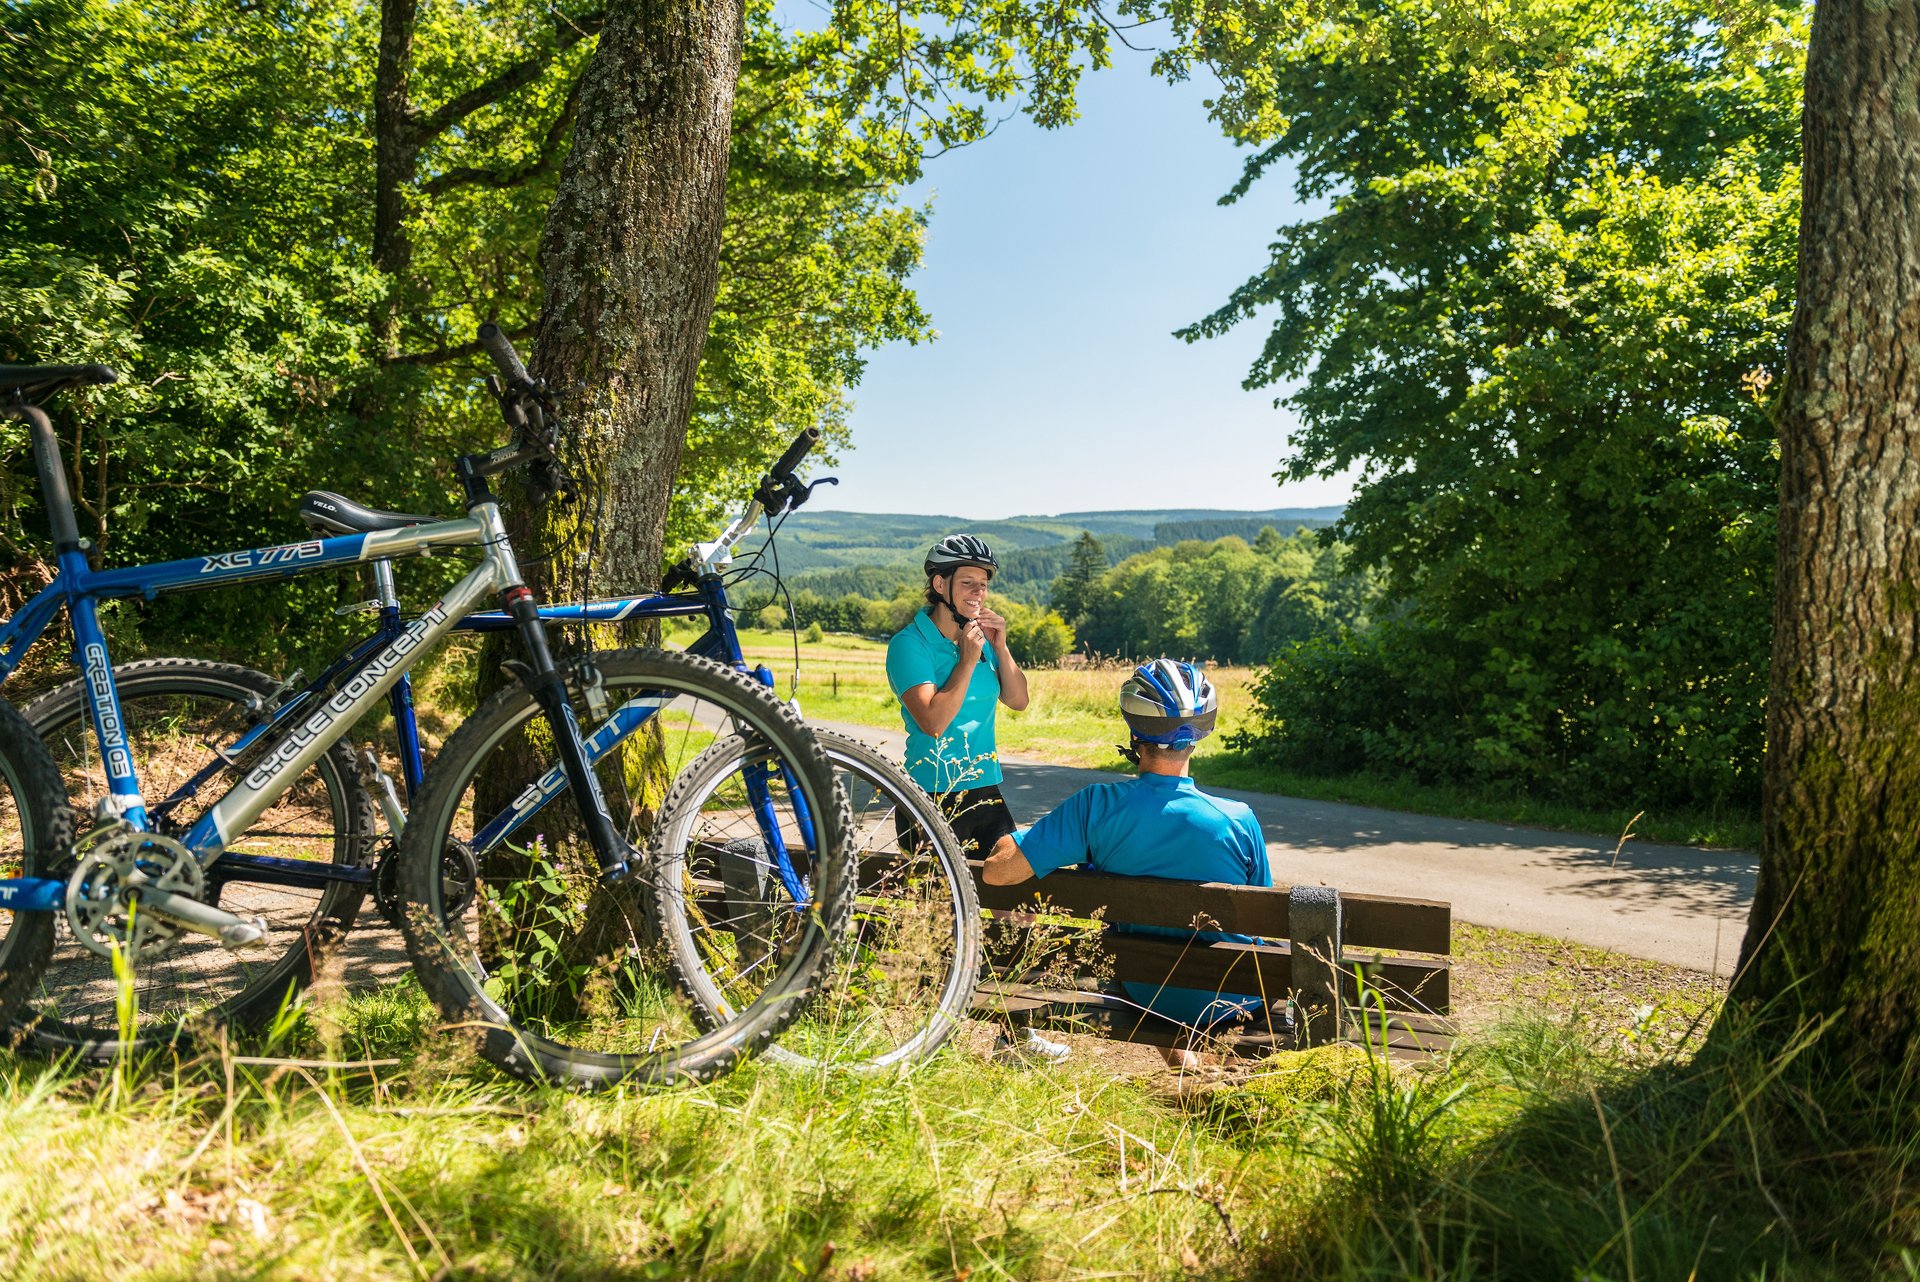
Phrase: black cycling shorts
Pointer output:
(979, 816)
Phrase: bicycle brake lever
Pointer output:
(801, 494)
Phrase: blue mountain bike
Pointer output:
(222, 867)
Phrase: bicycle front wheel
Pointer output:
(905, 973)
(509, 926)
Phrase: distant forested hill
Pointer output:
(867, 553)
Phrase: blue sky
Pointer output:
(1058, 264)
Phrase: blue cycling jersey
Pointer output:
(1157, 826)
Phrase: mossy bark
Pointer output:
(1836, 919)
(630, 262)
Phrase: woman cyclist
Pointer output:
(950, 668)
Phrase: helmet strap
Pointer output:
(1131, 753)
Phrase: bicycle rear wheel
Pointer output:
(181, 717)
(904, 975)
(559, 976)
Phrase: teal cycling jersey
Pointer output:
(1158, 826)
(964, 755)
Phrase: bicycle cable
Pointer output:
(749, 567)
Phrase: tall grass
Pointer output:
(1540, 1151)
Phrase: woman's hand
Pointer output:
(973, 639)
(993, 626)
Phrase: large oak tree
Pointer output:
(1836, 920)
(631, 253)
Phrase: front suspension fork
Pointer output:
(549, 689)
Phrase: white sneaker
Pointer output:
(1028, 1047)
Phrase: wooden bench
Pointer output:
(1391, 985)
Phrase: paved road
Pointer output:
(1670, 904)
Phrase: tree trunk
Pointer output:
(396, 154)
(1836, 919)
(630, 260)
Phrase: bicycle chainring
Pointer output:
(113, 864)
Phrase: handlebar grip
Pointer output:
(497, 345)
(782, 471)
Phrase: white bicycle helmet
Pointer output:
(1169, 703)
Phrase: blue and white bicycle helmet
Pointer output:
(1169, 704)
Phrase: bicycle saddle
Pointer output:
(42, 380)
(329, 512)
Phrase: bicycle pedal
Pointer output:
(245, 932)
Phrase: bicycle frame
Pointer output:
(375, 668)
(79, 588)
(720, 643)
(372, 669)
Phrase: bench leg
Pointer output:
(1313, 920)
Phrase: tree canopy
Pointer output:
(1540, 311)
(285, 233)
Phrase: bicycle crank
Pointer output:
(132, 892)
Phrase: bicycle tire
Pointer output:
(192, 984)
(36, 833)
(905, 972)
(539, 1002)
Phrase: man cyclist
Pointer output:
(1158, 824)
(950, 668)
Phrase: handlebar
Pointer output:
(494, 341)
(777, 492)
(525, 407)
(783, 470)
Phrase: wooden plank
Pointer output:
(1402, 925)
(1406, 1036)
(1367, 921)
(1410, 983)
(1265, 970)
(1400, 1040)
(1405, 983)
